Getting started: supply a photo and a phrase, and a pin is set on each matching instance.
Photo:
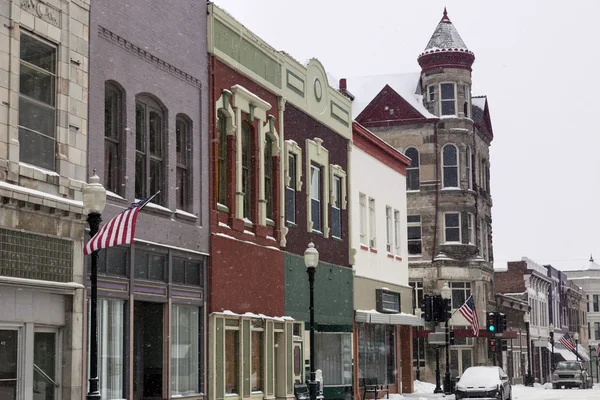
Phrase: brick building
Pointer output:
(43, 147)
(433, 118)
(148, 133)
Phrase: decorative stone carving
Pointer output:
(42, 10)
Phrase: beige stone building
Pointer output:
(43, 144)
(433, 118)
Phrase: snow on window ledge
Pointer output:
(114, 195)
(185, 214)
(38, 169)
(156, 207)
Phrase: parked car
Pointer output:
(484, 383)
(571, 374)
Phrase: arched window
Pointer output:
(183, 133)
(450, 163)
(412, 172)
(247, 168)
(221, 169)
(269, 176)
(149, 165)
(113, 126)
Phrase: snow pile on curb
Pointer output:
(423, 387)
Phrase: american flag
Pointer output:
(567, 342)
(468, 311)
(119, 230)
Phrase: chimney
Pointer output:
(344, 89)
(343, 86)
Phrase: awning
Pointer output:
(568, 355)
(375, 317)
(583, 353)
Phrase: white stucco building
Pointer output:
(382, 296)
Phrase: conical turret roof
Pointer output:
(445, 37)
(591, 265)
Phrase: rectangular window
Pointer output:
(452, 228)
(372, 224)
(315, 198)
(232, 354)
(470, 230)
(256, 380)
(362, 199)
(149, 150)
(390, 301)
(397, 232)
(460, 293)
(185, 366)
(596, 303)
(183, 131)
(186, 272)
(37, 102)
(290, 191)
(268, 175)
(431, 93)
(469, 168)
(388, 229)
(113, 109)
(113, 261)
(415, 246)
(221, 169)
(334, 357)
(417, 294)
(336, 208)
(419, 351)
(247, 169)
(482, 238)
(448, 101)
(466, 98)
(596, 330)
(376, 355)
(588, 302)
(149, 266)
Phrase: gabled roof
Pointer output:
(406, 85)
(445, 37)
(481, 115)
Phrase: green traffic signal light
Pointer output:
(492, 328)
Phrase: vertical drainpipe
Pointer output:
(437, 195)
(282, 171)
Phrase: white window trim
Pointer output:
(429, 99)
(411, 168)
(372, 222)
(471, 220)
(464, 289)
(469, 167)
(417, 224)
(389, 230)
(459, 226)
(397, 226)
(317, 154)
(336, 170)
(291, 147)
(362, 205)
(441, 101)
(457, 165)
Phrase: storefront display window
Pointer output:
(334, 357)
(184, 354)
(376, 355)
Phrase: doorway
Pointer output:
(148, 350)
(45, 377)
(9, 340)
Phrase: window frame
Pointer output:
(448, 167)
(316, 154)
(372, 223)
(469, 167)
(236, 357)
(397, 228)
(184, 202)
(460, 286)
(415, 224)
(413, 171)
(447, 100)
(389, 230)
(336, 207)
(431, 93)
(337, 173)
(112, 181)
(362, 204)
(268, 177)
(596, 303)
(316, 226)
(221, 158)
(446, 227)
(470, 228)
(293, 150)
(257, 327)
(248, 172)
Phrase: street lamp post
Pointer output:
(576, 337)
(447, 296)
(528, 377)
(552, 342)
(311, 260)
(94, 201)
(591, 365)
(418, 375)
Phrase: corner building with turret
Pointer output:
(433, 118)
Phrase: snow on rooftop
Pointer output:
(478, 101)
(445, 37)
(365, 88)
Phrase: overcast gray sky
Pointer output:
(537, 61)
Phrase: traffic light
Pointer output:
(492, 322)
(501, 321)
(451, 338)
(492, 346)
(504, 344)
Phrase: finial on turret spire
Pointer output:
(591, 258)
(445, 17)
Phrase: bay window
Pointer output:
(452, 227)
(447, 99)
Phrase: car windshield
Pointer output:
(568, 365)
(480, 376)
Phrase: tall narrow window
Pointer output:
(470, 230)
(37, 102)
(269, 176)
(372, 224)
(222, 159)
(183, 148)
(448, 99)
(469, 168)
(362, 199)
(290, 190)
(336, 208)
(388, 229)
(315, 197)
(431, 93)
(256, 380)
(412, 172)
(149, 150)
(247, 169)
(113, 110)
(450, 163)
(232, 354)
(452, 228)
(397, 232)
(466, 97)
(415, 246)
(184, 355)
(596, 303)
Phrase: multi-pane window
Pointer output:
(466, 103)
(232, 354)
(596, 330)
(470, 230)
(269, 176)
(389, 234)
(37, 102)
(186, 272)
(376, 352)
(221, 169)
(315, 197)
(150, 266)
(256, 380)
(247, 169)
(183, 133)
(452, 228)
(149, 150)
(290, 190)
(113, 112)
(431, 93)
(113, 261)
(596, 303)
(469, 168)
(390, 301)
(412, 172)
(372, 224)
(185, 365)
(450, 164)
(482, 238)
(415, 245)
(460, 293)
(448, 99)
(362, 200)
(336, 208)
(397, 232)
(417, 287)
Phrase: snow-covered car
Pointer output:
(483, 383)
(571, 374)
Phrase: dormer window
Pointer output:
(447, 99)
